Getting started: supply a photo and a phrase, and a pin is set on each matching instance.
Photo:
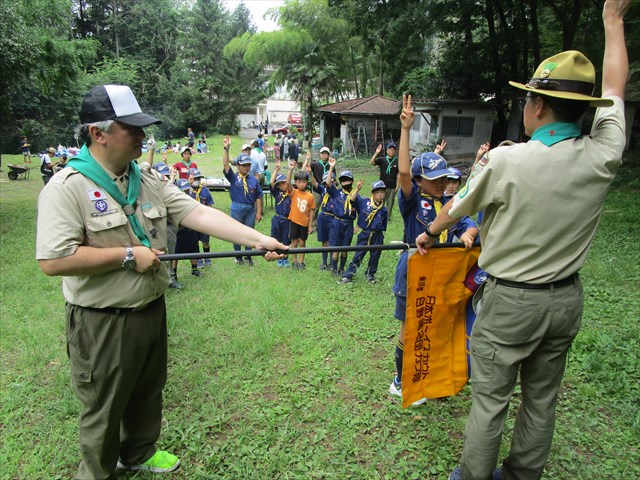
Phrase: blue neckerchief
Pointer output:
(555, 132)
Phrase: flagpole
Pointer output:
(292, 251)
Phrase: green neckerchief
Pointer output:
(90, 168)
(555, 132)
(324, 166)
(389, 163)
(186, 164)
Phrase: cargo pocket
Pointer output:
(482, 357)
(84, 384)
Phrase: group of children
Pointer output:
(424, 186)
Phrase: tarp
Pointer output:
(438, 323)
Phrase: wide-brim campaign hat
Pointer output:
(569, 75)
(114, 102)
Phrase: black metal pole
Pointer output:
(256, 253)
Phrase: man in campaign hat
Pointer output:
(542, 201)
(101, 223)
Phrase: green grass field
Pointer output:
(280, 374)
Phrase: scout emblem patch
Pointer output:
(548, 68)
(101, 205)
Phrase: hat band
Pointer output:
(575, 86)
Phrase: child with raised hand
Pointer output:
(301, 215)
(325, 215)
(245, 192)
(342, 227)
(372, 220)
(280, 223)
(422, 184)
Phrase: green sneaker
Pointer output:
(160, 462)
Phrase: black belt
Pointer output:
(123, 310)
(570, 280)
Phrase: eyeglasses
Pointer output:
(522, 101)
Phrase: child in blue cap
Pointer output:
(372, 220)
(344, 212)
(420, 198)
(325, 216)
(280, 223)
(202, 195)
(245, 192)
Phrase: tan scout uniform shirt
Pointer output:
(73, 211)
(542, 204)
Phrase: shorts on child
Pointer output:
(341, 232)
(323, 226)
(298, 232)
(280, 228)
(204, 238)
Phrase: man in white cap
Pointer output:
(542, 201)
(101, 223)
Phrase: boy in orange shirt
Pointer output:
(301, 215)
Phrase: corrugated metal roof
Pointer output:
(373, 105)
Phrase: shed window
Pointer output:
(458, 126)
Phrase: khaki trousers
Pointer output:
(525, 331)
(119, 368)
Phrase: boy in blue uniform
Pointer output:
(187, 239)
(245, 193)
(420, 198)
(202, 195)
(372, 220)
(325, 216)
(280, 223)
(342, 227)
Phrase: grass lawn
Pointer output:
(280, 374)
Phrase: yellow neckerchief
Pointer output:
(244, 183)
(375, 210)
(325, 199)
(347, 202)
(285, 194)
(437, 205)
(198, 194)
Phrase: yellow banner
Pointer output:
(435, 351)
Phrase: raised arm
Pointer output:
(276, 170)
(356, 190)
(226, 145)
(615, 65)
(404, 156)
(375, 154)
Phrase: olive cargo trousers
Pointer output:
(523, 330)
(119, 368)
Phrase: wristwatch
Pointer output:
(428, 232)
(129, 262)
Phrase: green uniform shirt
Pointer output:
(542, 203)
(74, 211)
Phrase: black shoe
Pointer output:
(195, 272)
(370, 278)
(323, 266)
(249, 261)
(302, 266)
(239, 261)
(345, 280)
(175, 284)
(295, 266)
